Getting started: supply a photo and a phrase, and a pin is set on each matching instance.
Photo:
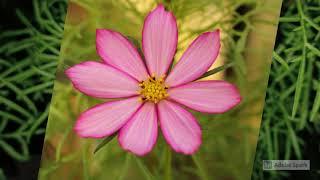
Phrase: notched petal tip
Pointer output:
(217, 31)
(80, 133)
(70, 70)
(98, 30)
(101, 30)
(237, 94)
(160, 6)
(193, 150)
(141, 154)
(67, 72)
(215, 35)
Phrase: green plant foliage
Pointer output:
(292, 103)
(28, 63)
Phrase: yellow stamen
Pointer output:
(153, 89)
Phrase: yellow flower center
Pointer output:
(153, 89)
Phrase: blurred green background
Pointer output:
(30, 51)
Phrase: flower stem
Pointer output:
(168, 164)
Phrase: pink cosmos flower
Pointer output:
(149, 96)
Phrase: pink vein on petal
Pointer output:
(120, 53)
(159, 40)
(140, 133)
(206, 96)
(101, 81)
(180, 129)
(196, 60)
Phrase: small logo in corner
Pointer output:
(267, 164)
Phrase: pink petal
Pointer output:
(118, 52)
(105, 119)
(102, 81)
(159, 40)
(197, 59)
(206, 96)
(180, 129)
(140, 133)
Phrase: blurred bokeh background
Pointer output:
(31, 33)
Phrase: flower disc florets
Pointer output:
(153, 89)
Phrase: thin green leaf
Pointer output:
(37, 123)
(289, 19)
(316, 105)
(12, 151)
(104, 142)
(313, 49)
(15, 106)
(280, 60)
(216, 70)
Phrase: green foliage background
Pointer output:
(292, 107)
(30, 56)
(28, 61)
